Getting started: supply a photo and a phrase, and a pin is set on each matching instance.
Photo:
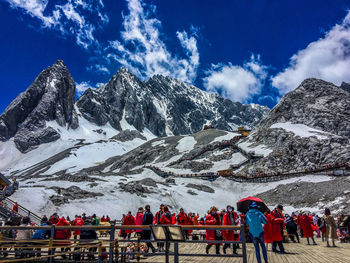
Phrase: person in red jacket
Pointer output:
(15, 207)
(103, 219)
(268, 228)
(230, 218)
(78, 221)
(166, 218)
(182, 219)
(63, 234)
(129, 220)
(54, 219)
(156, 221)
(139, 219)
(306, 225)
(277, 229)
(173, 219)
(213, 218)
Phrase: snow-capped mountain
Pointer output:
(161, 106)
(164, 106)
(115, 144)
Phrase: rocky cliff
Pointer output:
(164, 106)
(50, 97)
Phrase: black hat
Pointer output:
(280, 207)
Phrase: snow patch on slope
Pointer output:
(186, 144)
(300, 130)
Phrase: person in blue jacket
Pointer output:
(41, 234)
(255, 219)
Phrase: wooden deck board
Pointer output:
(299, 253)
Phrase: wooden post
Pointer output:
(52, 237)
(111, 243)
(244, 245)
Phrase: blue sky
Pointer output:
(251, 51)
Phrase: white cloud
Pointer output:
(237, 83)
(81, 87)
(34, 8)
(98, 68)
(327, 58)
(66, 18)
(143, 51)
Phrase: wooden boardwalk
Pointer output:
(299, 253)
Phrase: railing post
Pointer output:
(52, 237)
(111, 243)
(176, 252)
(138, 257)
(167, 245)
(116, 248)
(244, 247)
(99, 259)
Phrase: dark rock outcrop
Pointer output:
(49, 98)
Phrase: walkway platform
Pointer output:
(299, 253)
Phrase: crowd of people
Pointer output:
(258, 176)
(272, 227)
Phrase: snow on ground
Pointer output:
(82, 158)
(186, 144)
(259, 149)
(301, 130)
(156, 143)
(227, 137)
(8, 154)
(115, 203)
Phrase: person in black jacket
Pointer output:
(146, 234)
(89, 234)
(292, 228)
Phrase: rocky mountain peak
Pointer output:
(49, 98)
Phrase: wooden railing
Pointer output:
(111, 250)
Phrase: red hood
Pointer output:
(62, 222)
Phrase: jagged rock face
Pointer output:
(164, 106)
(50, 97)
(317, 104)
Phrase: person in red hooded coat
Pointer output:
(182, 219)
(268, 228)
(78, 221)
(129, 220)
(230, 218)
(166, 219)
(306, 225)
(63, 234)
(139, 219)
(213, 218)
(277, 229)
